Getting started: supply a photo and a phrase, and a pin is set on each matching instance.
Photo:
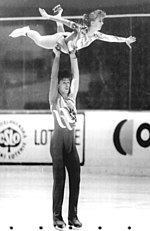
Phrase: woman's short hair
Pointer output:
(87, 18)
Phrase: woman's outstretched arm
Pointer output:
(111, 38)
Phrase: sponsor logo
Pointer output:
(124, 134)
(123, 137)
(12, 139)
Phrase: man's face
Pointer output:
(64, 86)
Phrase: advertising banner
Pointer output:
(118, 142)
(25, 137)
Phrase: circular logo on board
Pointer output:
(12, 140)
(123, 137)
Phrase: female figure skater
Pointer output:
(62, 98)
(82, 35)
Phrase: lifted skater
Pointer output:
(82, 36)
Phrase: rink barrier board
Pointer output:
(113, 142)
(25, 137)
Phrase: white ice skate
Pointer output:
(19, 32)
(57, 10)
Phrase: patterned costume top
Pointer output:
(64, 112)
(81, 39)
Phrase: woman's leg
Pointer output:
(58, 12)
(46, 41)
(69, 40)
(59, 19)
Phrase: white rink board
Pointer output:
(101, 153)
(25, 138)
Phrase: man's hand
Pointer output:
(57, 50)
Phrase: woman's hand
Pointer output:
(130, 40)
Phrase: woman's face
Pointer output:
(97, 24)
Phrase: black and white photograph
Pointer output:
(74, 115)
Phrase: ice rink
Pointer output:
(106, 202)
(112, 134)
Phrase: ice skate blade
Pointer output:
(74, 228)
(57, 9)
(58, 228)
